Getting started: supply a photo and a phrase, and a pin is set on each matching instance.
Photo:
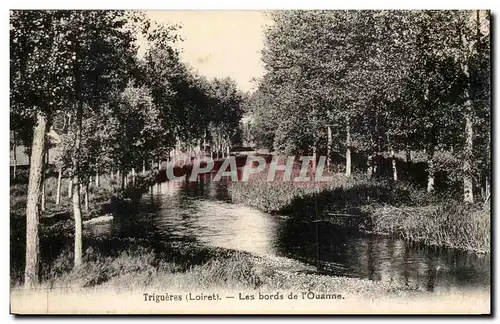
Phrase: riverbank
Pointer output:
(139, 280)
(56, 221)
(190, 267)
(377, 206)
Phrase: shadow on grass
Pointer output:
(343, 205)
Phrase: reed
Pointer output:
(465, 227)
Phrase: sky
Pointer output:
(220, 43)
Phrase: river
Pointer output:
(202, 212)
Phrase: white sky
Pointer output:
(220, 43)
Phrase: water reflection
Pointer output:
(201, 211)
(385, 259)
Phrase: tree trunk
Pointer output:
(468, 145)
(31, 279)
(58, 192)
(133, 176)
(468, 186)
(430, 169)
(369, 165)
(329, 148)
(123, 180)
(42, 207)
(487, 186)
(77, 212)
(15, 158)
(87, 197)
(97, 178)
(143, 166)
(70, 187)
(488, 168)
(348, 149)
(314, 161)
(408, 156)
(394, 166)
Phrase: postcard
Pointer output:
(250, 162)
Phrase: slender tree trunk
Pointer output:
(369, 165)
(77, 211)
(123, 180)
(87, 197)
(348, 167)
(31, 279)
(97, 178)
(469, 135)
(408, 156)
(329, 147)
(430, 169)
(393, 159)
(314, 161)
(394, 166)
(144, 166)
(468, 145)
(58, 192)
(468, 186)
(488, 168)
(133, 176)
(487, 187)
(70, 187)
(43, 194)
(15, 158)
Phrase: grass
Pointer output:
(137, 268)
(56, 222)
(446, 224)
(377, 205)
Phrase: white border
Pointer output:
(206, 5)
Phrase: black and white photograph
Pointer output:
(250, 162)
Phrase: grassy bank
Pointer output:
(374, 205)
(187, 267)
(56, 221)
